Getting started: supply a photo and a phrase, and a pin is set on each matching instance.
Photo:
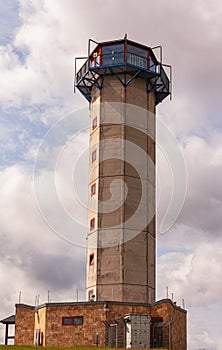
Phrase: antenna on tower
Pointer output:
(125, 37)
(20, 297)
(183, 303)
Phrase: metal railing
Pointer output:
(137, 60)
(51, 296)
(164, 77)
(122, 58)
(117, 58)
(82, 71)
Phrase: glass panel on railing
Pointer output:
(152, 66)
(136, 60)
(112, 54)
(137, 56)
(164, 78)
(92, 63)
(98, 60)
(137, 51)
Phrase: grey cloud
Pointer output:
(57, 272)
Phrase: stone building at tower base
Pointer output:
(99, 323)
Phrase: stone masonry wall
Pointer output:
(48, 319)
(57, 334)
(178, 326)
(24, 325)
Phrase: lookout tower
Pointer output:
(115, 75)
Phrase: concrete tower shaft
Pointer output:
(123, 83)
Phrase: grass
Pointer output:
(21, 347)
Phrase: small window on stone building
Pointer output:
(91, 259)
(78, 320)
(67, 321)
(72, 321)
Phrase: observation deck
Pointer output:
(127, 60)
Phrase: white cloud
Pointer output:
(33, 258)
(203, 205)
(196, 277)
(45, 76)
(190, 253)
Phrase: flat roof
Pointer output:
(119, 41)
(105, 302)
(8, 320)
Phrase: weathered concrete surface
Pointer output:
(125, 272)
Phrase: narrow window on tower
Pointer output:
(94, 123)
(93, 189)
(92, 224)
(91, 259)
(91, 296)
(93, 156)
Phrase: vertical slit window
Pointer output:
(92, 224)
(93, 189)
(93, 156)
(94, 123)
(91, 259)
(91, 296)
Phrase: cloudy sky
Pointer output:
(38, 42)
